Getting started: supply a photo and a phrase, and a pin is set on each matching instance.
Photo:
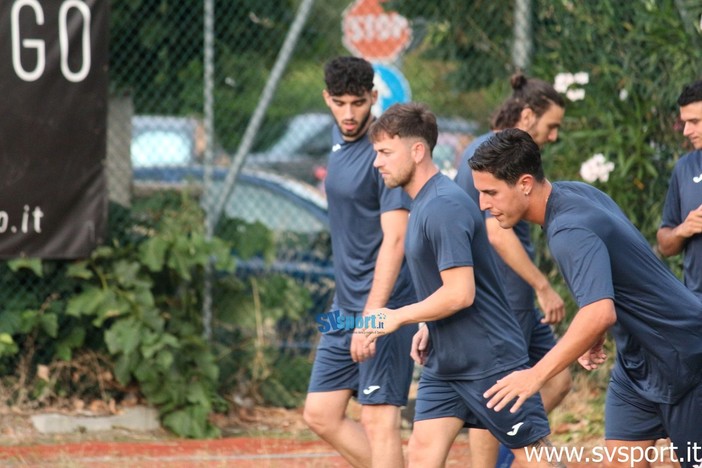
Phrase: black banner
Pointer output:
(53, 119)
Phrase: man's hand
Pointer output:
(551, 305)
(359, 350)
(379, 322)
(594, 357)
(692, 224)
(519, 384)
(420, 345)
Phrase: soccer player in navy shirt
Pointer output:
(367, 222)
(681, 226)
(537, 108)
(619, 285)
(474, 336)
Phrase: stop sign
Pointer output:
(373, 33)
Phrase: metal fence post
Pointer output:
(208, 82)
(521, 50)
(281, 62)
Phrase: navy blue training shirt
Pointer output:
(446, 230)
(520, 295)
(602, 255)
(685, 195)
(357, 196)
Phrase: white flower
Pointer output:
(576, 94)
(581, 78)
(596, 168)
(623, 94)
(563, 81)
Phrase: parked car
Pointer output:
(303, 148)
(162, 141)
(166, 153)
(163, 158)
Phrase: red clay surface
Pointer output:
(269, 437)
(243, 452)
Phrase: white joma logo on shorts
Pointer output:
(515, 429)
(370, 389)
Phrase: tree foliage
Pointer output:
(476, 36)
(157, 56)
(637, 55)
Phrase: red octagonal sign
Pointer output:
(373, 33)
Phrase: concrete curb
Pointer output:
(137, 418)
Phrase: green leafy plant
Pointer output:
(636, 57)
(135, 307)
(145, 298)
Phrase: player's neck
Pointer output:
(422, 174)
(538, 200)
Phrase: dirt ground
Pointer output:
(255, 437)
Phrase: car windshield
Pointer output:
(161, 148)
(256, 203)
(301, 133)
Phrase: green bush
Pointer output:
(636, 55)
(145, 299)
(135, 307)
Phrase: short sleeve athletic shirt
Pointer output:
(520, 295)
(357, 196)
(446, 230)
(685, 195)
(602, 255)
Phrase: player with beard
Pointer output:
(475, 338)
(367, 222)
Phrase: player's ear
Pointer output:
(526, 184)
(419, 151)
(526, 118)
(374, 96)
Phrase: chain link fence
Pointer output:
(242, 129)
(271, 127)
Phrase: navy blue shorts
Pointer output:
(630, 416)
(463, 399)
(538, 336)
(382, 380)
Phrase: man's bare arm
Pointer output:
(387, 268)
(672, 240)
(512, 252)
(390, 256)
(456, 293)
(584, 333)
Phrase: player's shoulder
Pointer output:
(477, 141)
(695, 155)
(576, 196)
(689, 161)
(573, 187)
(567, 202)
(448, 203)
(448, 192)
